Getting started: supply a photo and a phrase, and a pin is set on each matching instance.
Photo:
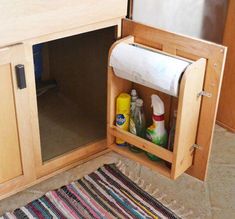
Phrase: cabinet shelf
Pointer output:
(142, 144)
(143, 159)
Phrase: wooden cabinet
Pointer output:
(15, 138)
(23, 117)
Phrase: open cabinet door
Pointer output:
(192, 49)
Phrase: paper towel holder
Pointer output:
(149, 67)
(189, 102)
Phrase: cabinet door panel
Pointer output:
(10, 158)
(193, 49)
(16, 152)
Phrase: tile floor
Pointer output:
(213, 199)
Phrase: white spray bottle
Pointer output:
(157, 133)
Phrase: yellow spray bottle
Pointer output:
(123, 114)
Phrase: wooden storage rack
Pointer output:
(189, 103)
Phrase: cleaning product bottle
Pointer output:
(157, 133)
(137, 123)
(132, 127)
(171, 137)
(123, 114)
(134, 97)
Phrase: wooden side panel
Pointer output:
(187, 117)
(226, 112)
(115, 86)
(191, 48)
(10, 158)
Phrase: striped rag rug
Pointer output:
(105, 193)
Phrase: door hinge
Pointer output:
(205, 94)
(197, 146)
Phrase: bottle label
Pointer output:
(158, 118)
(149, 136)
(157, 138)
(132, 126)
(152, 127)
(132, 107)
(120, 119)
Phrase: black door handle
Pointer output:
(20, 75)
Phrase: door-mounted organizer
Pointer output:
(189, 102)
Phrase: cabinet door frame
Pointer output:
(81, 154)
(14, 55)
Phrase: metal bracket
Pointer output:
(205, 94)
(197, 146)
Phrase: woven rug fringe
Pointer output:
(179, 210)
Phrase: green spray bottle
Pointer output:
(157, 133)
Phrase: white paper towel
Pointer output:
(149, 68)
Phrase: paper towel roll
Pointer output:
(149, 68)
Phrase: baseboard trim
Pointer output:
(225, 126)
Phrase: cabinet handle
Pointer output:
(20, 75)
